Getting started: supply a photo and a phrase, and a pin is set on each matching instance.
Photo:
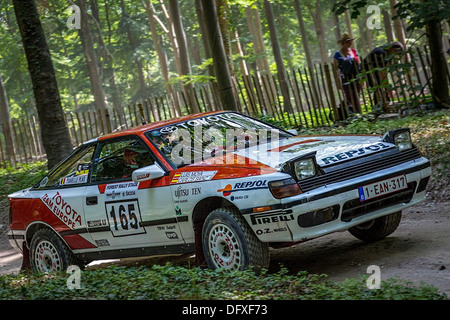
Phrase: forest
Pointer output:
(73, 69)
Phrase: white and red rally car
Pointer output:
(221, 185)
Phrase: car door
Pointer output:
(121, 215)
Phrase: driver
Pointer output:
(164, 139)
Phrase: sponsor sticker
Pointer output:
(243, 186)
(193, 176)
(62, 210)
(74, 180)
(121, 190)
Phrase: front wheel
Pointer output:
(378, 228)
(229, 243)
(48, 253)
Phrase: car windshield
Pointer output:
(211, 136)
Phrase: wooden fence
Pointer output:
(314, 96)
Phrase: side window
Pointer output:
(74, 171)
(117, 160)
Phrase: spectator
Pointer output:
(347, 65)
(375, 65)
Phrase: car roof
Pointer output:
(153, 125)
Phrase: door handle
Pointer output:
(90, 201)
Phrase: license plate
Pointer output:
(383, 187)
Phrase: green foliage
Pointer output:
(417, 12)
(17, 178)
(422, 12)
(171, 282)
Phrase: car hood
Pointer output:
(329, 150)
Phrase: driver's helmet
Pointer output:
(158, 137)
(163, 134)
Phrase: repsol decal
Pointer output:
(354, 153)
(241, 186)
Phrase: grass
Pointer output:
(168, 282)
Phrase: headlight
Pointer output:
(304, 168)
(400, 137)
(402, 140)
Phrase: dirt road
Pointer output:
(419, 251)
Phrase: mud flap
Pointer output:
(199, 255)
(25, 258)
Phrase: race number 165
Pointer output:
(124, 217)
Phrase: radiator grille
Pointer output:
(359, 167)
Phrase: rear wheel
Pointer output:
(378, 228)
(228, 242)
(48, 253)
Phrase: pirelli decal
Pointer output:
(271, 217)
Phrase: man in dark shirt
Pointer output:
(374, 65)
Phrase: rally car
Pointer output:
(221, 185)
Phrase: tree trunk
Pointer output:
(306, 48)
(185, 64)
(259, 50)
(55, 135)
(162, 57)
(109, 66)
(100, 100)
(337, 29)
(438, 66)
(238, 48)
(203, 31)
(141, 94)
(348, 23)
(222, 17)
(398, 25)
(363, 47)
(254, 26)
(6, 122)
(317, 17)
(221, 68)
(387, 26)
(278, 58)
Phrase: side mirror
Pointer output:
(293, 131)
(147, 173)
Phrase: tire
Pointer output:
(229, 243)
(378, 228)
(48, 253)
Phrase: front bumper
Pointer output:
(336, 206)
